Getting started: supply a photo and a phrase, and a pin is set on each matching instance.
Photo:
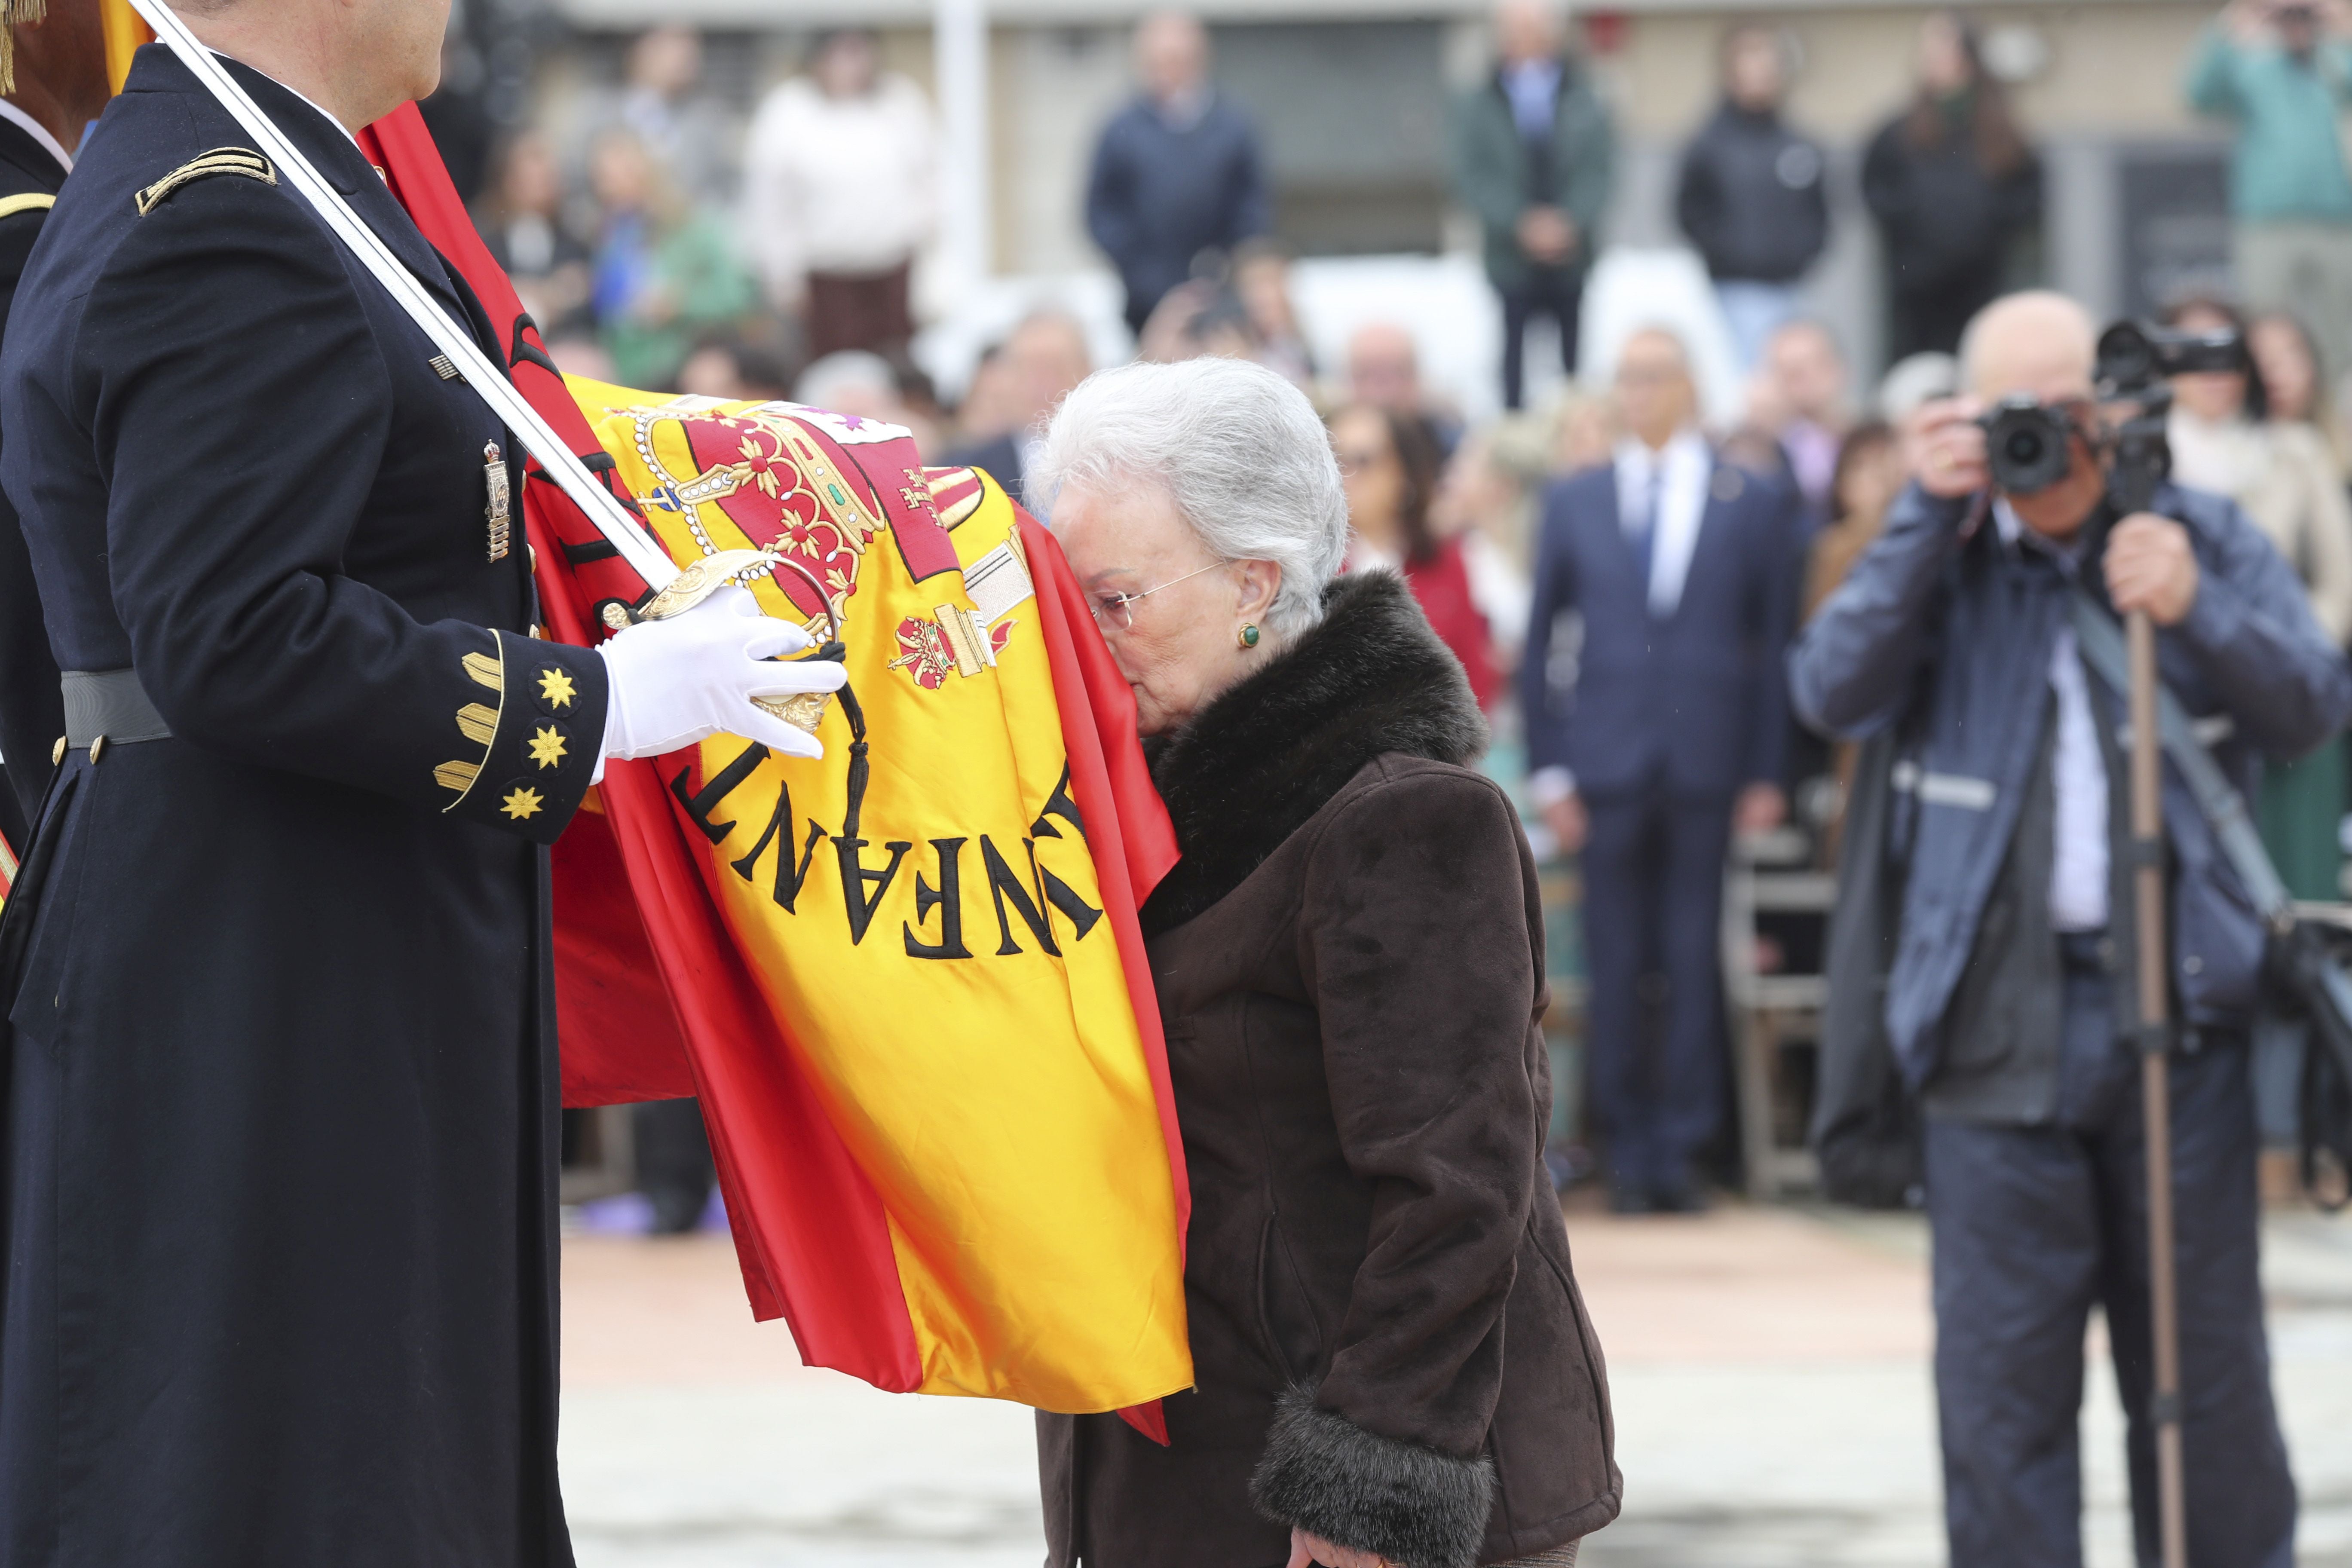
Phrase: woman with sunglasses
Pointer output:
(1393, 1363)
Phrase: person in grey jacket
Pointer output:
(2008, 1000)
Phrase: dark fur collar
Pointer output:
(1265, 756)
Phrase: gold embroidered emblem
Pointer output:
(458, 776)
(521, 803)
(546, 746)
(556, 687)
(500, 510)
(478, 723)
(486, 671)
(219, 161)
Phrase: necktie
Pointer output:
(1644, 535)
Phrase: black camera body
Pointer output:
(2028, 445)
(2135, 366)
(2132, 358)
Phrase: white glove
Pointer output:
(693, 676)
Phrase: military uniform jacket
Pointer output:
(281, 1112)
(30, 177)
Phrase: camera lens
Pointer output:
(2027, 445)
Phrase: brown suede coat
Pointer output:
(1390, 1344)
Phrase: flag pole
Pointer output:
(643, 555)
(2156, 1088)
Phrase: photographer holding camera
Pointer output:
(2010, 993)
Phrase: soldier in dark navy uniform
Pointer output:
(281, 1107)
(53, 83)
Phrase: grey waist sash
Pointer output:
(109, 702)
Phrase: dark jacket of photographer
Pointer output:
(1949, 634)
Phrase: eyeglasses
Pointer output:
(1116, 612)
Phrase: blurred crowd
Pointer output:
(679, 243)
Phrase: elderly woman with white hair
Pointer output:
(1393, 1363)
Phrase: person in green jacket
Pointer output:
(2282, 70)
(1532, 149)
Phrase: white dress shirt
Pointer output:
(37, 131)
(1676, 475)
(1533, 89)
(2078, 864)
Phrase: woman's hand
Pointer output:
(1308, 1550)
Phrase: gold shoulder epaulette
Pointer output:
(219, 161)
(31, 201)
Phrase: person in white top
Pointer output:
(2226, 439)
(841, 174)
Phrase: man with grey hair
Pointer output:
(2007, 1003)
(1042, 358)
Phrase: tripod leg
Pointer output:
(2156, 1094)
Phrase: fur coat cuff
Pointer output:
(1414, 1506)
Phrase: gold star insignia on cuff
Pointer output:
(521, 803)
(556, 687)
(546, 746)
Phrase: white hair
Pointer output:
(1238, 450)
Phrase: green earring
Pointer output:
(1247, 636)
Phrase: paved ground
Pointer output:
(1768, 1368)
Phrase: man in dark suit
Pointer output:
(57, 87)
(1651, 739)
(277, 1138)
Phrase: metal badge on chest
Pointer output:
(500, 510)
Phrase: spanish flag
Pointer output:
(123, 31)
(907, 981)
